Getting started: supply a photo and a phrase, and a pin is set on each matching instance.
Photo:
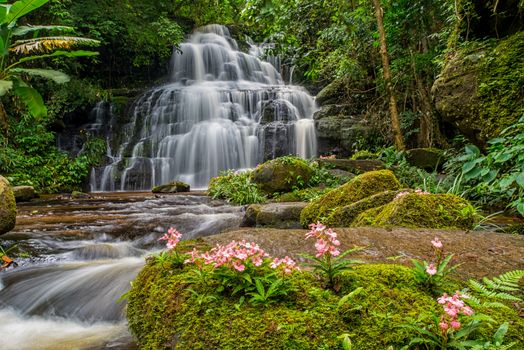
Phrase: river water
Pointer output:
(83, 254)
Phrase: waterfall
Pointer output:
(222, 109)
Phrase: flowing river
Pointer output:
(83, 256)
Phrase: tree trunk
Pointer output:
(395, 123)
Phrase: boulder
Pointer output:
(282, 175)
(479, 89)
(275, 215)
(428, 159)
(335, 92)
(80, 195)
(277, 110)
(276, 139)
(24, 193)
(7, 207)
(360, 187)
(172, 187)
(344, 216)
(352, 165)
(415, 210)
(341, 174)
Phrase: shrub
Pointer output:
(235, 187)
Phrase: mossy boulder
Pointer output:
(172, 187)
(164, 314)
(24, 193)
(7, 207)
(480, 90)
(360, 187)
(344, 216)
(439, 211)
(282, 174)
(425, 158)
(276, 215)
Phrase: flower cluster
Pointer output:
(417, 191)
(453, 307)
(235, 254)
(327, 241)
(287, 265)
(172, 237)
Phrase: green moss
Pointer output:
(442, 211)
(344, 216)
(282, 175)
(364, 154)
(7, 207)
(306, 194)
(356, 189)
(501, 78)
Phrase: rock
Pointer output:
(275, 215)
(344, 216)
(24, 193)
(479, 91)
(7, 207)
(277, 110)
(335, 92)
(438, 211)
(351, 165)
(80, 195)
(276, 138)
(282, 175)
(356, 189)
(172, 187)
(429, 159)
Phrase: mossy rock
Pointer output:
(80, 195)
(425, 158)
(172, 187)
(438, 211)
(344, 216)
(360, 187)
(276, 215)
(7, 207)
(282, 175)
(163, 314)
(24, 193)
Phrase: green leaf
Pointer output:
(472, 149)
(77, 53)
(520, 179)
(57, 76)
(23, 30)
(474, 173)
(5, 86)
(32, 99)
(501, 332)
(21, 8)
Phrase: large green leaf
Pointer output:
(77, 53)
(23, 30)
(5, 86)
(54, 75)
(32, 99)
(21, 8)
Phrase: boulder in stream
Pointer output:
(276, 215)
(7, 207)
(172, 187)
(24, 193)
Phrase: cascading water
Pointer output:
(224, 109)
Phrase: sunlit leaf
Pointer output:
(32, 99)
(57, 76)
(5, 86)
(21, 8)
(48, 44)
(23, 30)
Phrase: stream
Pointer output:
(83, 255)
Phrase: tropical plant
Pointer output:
(432, 275)
(235, 187)
(21, 44)
(329, 261)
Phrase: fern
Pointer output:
(498, 288)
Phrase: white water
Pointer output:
(221, 110)
(66, 296)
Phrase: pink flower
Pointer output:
(437, 243)
(237, 265)
(172, 237)
(455, 324)
(467, 311)
(443, 299)
(443, 325)
(451, 311)
(431, 269)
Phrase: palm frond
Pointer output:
(48, 44)
(56, 76)
(5, 86)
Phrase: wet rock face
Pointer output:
(7, 207)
